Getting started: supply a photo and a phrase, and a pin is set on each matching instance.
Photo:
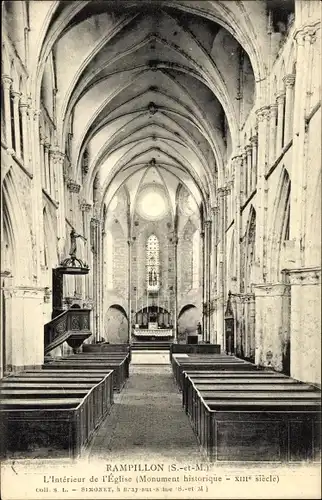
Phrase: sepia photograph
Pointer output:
(160, 249)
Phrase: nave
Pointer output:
(147, 420)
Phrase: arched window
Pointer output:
(152, 263)
(108, 258)
(195, 259)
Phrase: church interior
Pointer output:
(161, 196)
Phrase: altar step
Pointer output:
(152, 345)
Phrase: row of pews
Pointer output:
(242, 413)
(54, 411)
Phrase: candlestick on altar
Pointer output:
(136, 300)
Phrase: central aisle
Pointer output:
(147, 420)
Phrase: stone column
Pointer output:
(86, 209)
(213, 284)
(207, 226)
(244, 177)
(272, 134)
(306, 324)
(95, 227)
(254, 162)
(238, 220)
(37, 206)
(304, 38)
(289, 81)
(42, 159)
(47, 167)
(175, 312)
(6, 83)
(262, 115)
(16, 98)
(130, 244)
(74, 188)
(272, 324)
(26, 347)
(249, 169)
(280, 123)
(57, 158)
(25, 133)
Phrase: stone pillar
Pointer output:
(207, 242)
(272, 324)
(16, 98)
(289, 81)
(57, 158)
(262, 115)
(175, 312)
(95, 228)
(47, 167)
(239, 323)
(249, 169)
(25, 133)
(306, 324)
(304, 39)
(6, 84)
(213, 284)
(254, 162)
(221, 281)
(37, 205)
(25, 346)
(42, 160)
(244, 177)
(280, 123)
(272, 134)
(74, 188)
(130, 244)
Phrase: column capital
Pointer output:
(6, 81)
(214, 210)
(23, 105)
(223, 191)
(304, 275)
(271, 289)
(15, 95)
(262, 113)
(95, 222)
(306, 34)
(289, 80)
(254, 140)
(237, 160)
(73, 186)
(57, 156)
(84, 206)
(273, 110)
(248, 149)
(280, 98)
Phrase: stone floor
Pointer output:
(147, 421)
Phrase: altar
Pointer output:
(153, 332)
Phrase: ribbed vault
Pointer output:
(159, 82)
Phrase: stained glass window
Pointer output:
(153, 263)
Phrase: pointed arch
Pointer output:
(22, 257)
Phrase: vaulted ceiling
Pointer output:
(152, 84)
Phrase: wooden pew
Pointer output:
(194, 349)
(254, 429)
(236, 419)
(120, 367)
(57, 418)
(104, 347)
(206, 362)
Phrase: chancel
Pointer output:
(161, 229)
